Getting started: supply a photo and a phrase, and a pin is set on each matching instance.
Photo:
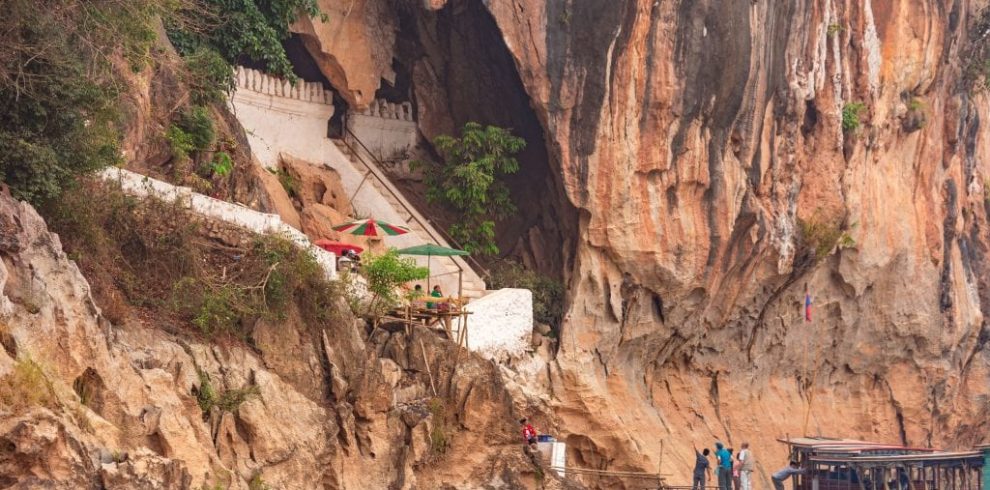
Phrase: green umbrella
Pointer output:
(430, 250)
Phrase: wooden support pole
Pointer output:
(859, 476)
(910, 478)
(428, 371)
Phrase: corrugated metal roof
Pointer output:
(846, 445)
(901, 458)
(829, 450)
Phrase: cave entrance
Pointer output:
(459, 70)
(305, 67)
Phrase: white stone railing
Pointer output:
(388, 110)
(263, 223)
(263, 83)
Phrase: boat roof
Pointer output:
(830, 450)
(934, 457)
(826, 444)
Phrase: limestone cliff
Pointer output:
(89, 404)
(716, 154)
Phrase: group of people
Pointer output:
(350, 261)
(418, 293)
(735, 472)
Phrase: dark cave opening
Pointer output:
(453, 66)
(460, 70)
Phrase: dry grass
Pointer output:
(155, 260)
(26, 386)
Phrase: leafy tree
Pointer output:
(58, 96)
(469, 182)
(385, 273)
(244, 28)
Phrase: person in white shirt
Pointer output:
(746, 466)
(784, 473)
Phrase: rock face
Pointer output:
(699, 139)
(725, 159)
(352, 46)
(87, 404)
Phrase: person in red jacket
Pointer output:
(529, 433)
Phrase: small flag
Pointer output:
(807, 307)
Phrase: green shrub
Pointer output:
(243, 28)
(193, 132)
(548, 293)
(469, 183)
(227, 400)
(198, 124)
(222, 164)
(851, 115)
(272, 274)
(288, 182)
(210, 76)
(385, 273)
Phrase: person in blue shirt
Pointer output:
(700, 469)
(724, 458)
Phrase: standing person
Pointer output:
(701, 467)
(785, 473)
(746, 466)
(735, 469)
(529, 433)
(724, 458)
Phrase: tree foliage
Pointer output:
(850, 115)
(62, 63)
(244, 28)
(58, 87)
(385, 273)
(468, 181)
(548, 293)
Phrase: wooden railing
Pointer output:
(436, 233)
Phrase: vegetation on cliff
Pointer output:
(68, 73)
(157, 257)
(469, 182)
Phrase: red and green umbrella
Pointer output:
(371, 227)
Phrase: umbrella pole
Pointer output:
(460, 284)
(428, 274)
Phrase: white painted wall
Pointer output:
(387, 129)
(280, 119)
(501, 323)
(263, 223)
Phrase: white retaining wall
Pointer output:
(263, 223)
(387, 129)
(282, 118)
(501, 323)
(278, 120)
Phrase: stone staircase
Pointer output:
(473, 286)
